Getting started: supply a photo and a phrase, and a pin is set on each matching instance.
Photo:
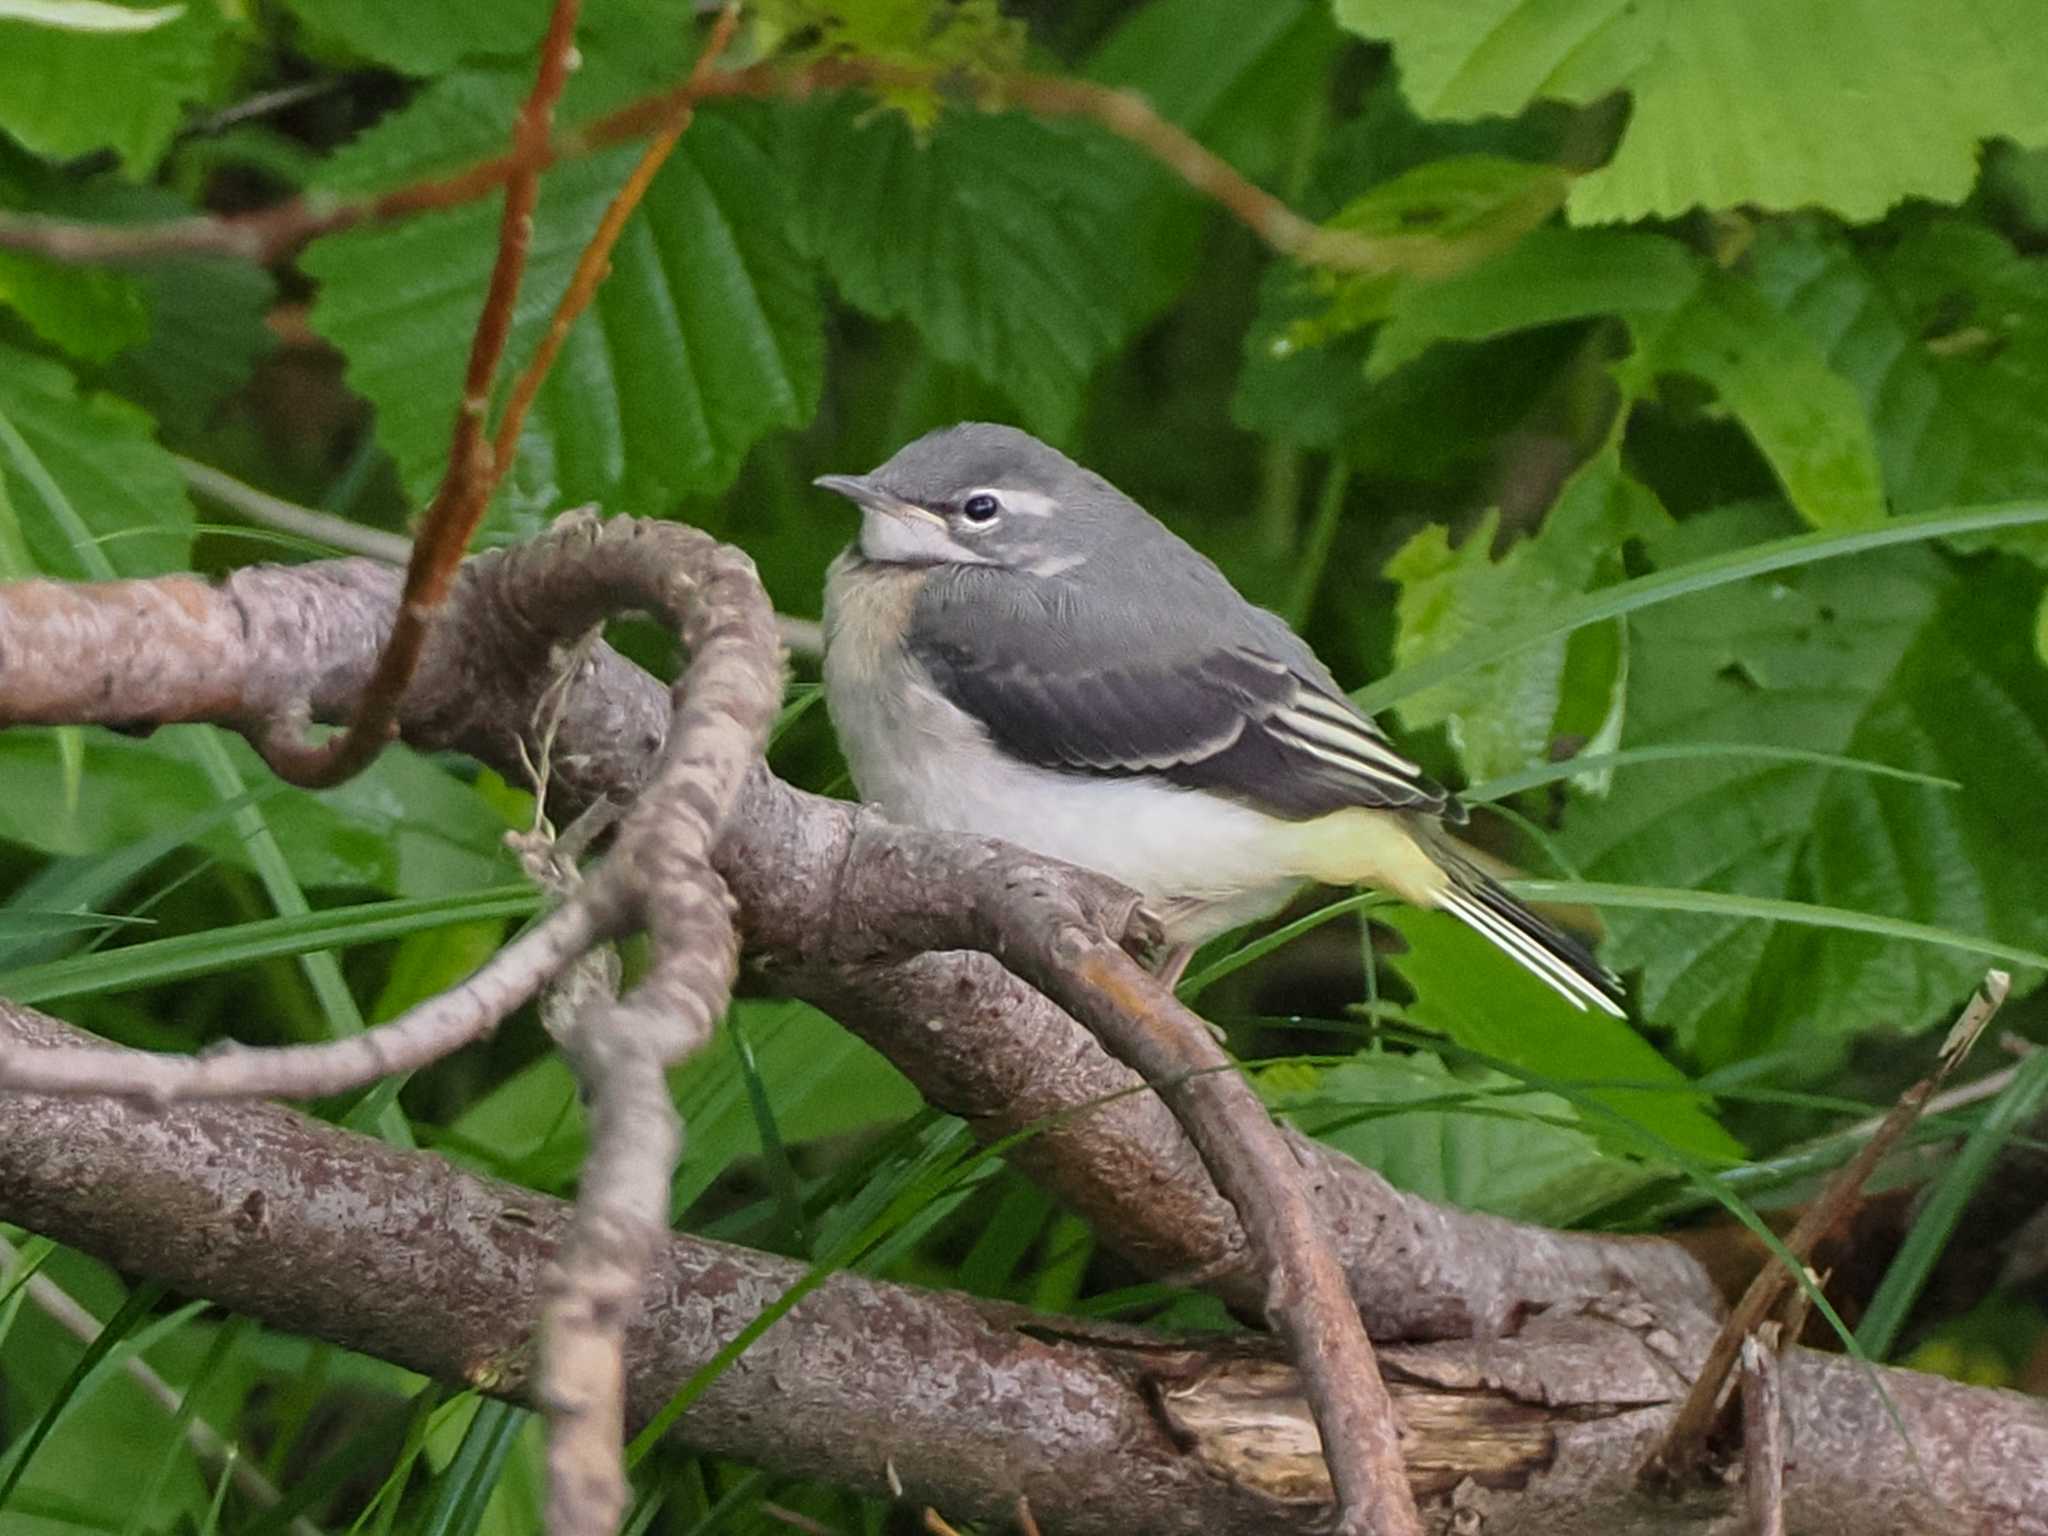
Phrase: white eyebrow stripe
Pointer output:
(1024, 503)
(1348, 735)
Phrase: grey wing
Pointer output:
(1059, 690)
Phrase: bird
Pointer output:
(1015, 648)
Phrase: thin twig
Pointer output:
(208, 1444)
(800, 637)
(459, 503)
(794, 1520)
(1683, 1447)
(415, 1038)
(1027, 1523)
(273, 233)
(1763, 1432)
(1308, 1303)
(594, 262)
(269, 511)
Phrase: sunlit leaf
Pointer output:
(1845, 104)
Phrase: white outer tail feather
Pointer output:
(1551, 969)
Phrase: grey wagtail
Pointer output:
(1013, 647)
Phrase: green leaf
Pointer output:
(86, 311)
(1953, 1188)
(1849, 106)
(1004, 239)
(1469, 991)
(206, 336)
(1705, 574)
(1502, 715)
(1217, 69)
(820, 1080)
(201, 954)
(82, 469)
(1432, 420)
(1477, 1139)
(1684, 317)
(1899, 658)
(403, 825)
(428, 39)
(1944, 337)
(706, 336)
(65, 93)
(1441, 417)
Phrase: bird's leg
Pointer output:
(1173, 964)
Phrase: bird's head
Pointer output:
(982, 494)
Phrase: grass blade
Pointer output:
(1771, 909)
(1550, 773)
(113, 1344)
(1944, 1204)
(1684, 580)
(196, 954)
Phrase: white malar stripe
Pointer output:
(1553, 970)
(1356, 767)
(1348, 733)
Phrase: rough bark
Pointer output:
(967, 1403)
(973, 1037)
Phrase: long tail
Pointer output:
(1561, 962)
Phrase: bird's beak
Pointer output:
(864, 493)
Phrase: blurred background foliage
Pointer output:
(1663, 282)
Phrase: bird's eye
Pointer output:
(981, 508)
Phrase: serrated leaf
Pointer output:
(1476, 1139)
(1944, 336)
(707, 335)
(1217, 68)
(86, 311)
(66, 92)
(1002, 238)
(1470, 992)
(1896, 657)
(428, 39)
(1848, 106)
(1502, 716)
(81, 468)
(1684, 317)
(1442, 415)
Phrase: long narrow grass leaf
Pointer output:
(1669, 752)
(465, 1489)
(115, 1342)
(1772, 909)
(1943, 1207)
(197, 954)
(1684, 580)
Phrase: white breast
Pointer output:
(1202, 863)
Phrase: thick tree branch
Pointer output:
(269, 639)
(970, 1404)
(1061, 924)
